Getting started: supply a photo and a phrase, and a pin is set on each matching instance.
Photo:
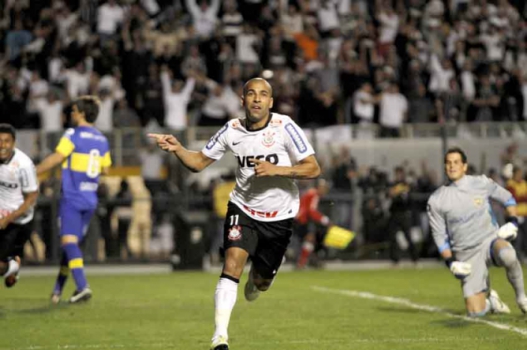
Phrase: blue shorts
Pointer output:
(73, 221)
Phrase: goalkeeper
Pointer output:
(307, 220)
(469, 239)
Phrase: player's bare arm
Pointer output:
(50, 162)
(29, 201)
(307, 168)
(192, 160)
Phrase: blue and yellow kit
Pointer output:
(87, 152)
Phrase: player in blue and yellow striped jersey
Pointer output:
(84, 154)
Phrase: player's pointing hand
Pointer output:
(264, 168)
(166, 142)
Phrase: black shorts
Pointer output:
(13, 238)
(266, 242)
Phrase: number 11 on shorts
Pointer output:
(234, 219)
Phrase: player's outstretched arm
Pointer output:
(307, 168)
(194, 161)
(50, 162)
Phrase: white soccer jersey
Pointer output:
(280, 142)
(17, 177)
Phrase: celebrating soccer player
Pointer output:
(469, 239)
(84, 153)
(18, 195)
(271, 151)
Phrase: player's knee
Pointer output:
(233, 268)
(507, 257)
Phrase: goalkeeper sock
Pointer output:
(224, 300)
(509, 259)
(307, 249)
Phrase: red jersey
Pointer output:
(309, 208)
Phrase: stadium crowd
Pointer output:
(182, 63)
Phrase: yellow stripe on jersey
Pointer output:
(106, 160)
(65, 147)
(82, 162)
(76, 263)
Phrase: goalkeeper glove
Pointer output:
(509, 231)
(459, 269)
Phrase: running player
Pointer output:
(18, 195)
(84, 154)
(469, 238)
(271, 151)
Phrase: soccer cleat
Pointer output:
(522, 304)
(250, 291)
(496, 305)
(55, 298)
(11, 280)
(79, 296)
(219, 343)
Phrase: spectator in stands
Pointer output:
(421, 109)
(364, 104)
(344, 175)
(50, 110)
(204, 16)
(176, 96)
(124, 116)
(152, 97)
(109, 16)
(393, 111)
(231, 22)
(16, 39)
(215, 111)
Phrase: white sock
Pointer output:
(12, 268)
(224, 300)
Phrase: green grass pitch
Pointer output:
(176, 312)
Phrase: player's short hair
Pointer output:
(89, 105)
(8, 129)
(246, 86)
(459, 151)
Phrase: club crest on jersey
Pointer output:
(478, 201)
(235, 233)
(268, 139)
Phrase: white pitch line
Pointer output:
(429, 308)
